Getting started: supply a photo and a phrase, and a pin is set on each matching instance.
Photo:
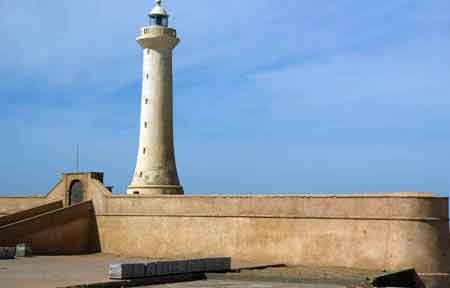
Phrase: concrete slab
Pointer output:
(156, 268)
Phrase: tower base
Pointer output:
(156, 190)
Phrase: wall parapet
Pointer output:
(293, 206)
(424, 219)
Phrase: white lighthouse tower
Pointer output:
(156, 172)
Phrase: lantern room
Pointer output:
(158, 16)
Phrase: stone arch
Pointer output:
(76, 192)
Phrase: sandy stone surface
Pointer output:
(244, 284)
(63, 271)
(305, 274)
(55, 271)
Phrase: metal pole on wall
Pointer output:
(78, 158)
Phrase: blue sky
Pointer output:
(270, 96)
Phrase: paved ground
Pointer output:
(64, 271)
(244, 284)
(52, 272)
(303, 274)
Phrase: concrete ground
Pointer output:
(69, 271)
(244, 284)
(55, 271)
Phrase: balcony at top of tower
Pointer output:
(158, 15)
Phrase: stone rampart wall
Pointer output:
(375, 231)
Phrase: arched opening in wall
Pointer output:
(76, 192)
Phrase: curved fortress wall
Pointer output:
(377, 231)
(373, 232)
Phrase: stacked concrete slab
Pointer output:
(168, 267)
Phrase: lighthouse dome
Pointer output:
(158, 10)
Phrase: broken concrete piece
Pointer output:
(407, 279)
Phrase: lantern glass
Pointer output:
(159, 20)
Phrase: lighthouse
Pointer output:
(156, 172)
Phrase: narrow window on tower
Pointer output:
(145, 150)
(147, 76)
(146, 100)
(148, 51)
(140, 174)
(145, 124)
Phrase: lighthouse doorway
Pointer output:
(76, 193)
